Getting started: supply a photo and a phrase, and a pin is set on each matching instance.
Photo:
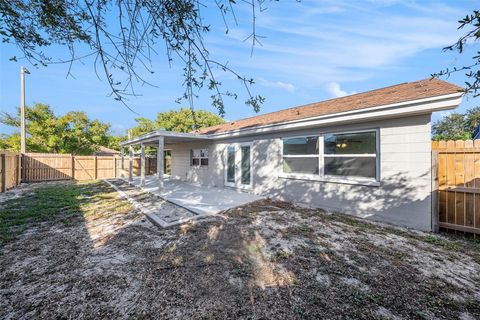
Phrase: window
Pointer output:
(199, 157)
(300, 155)
(245, 154)
(351, 154)
(345, 155)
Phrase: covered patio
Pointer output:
(156, 139)
(202, 200)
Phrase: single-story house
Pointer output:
(367, 154)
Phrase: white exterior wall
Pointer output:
(404, 194)
(181, 168)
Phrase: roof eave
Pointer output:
(418, 106)
(154, 135)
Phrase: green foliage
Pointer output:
(471, 25)
(10, 142)
(457, 126)
(72, 133)
(472, 117)
(143, 126)
(114, 142)
(177, 120)
(124, 36)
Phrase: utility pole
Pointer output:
(23, 135)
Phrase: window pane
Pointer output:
(204, 162)
(195, 161)
(300, 165)
(245, 165)
(299, 146)
(196, 153)
(204, 153)
(351, 143)
(350, 166)
(231, 164)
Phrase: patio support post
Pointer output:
(130, 163)
(122, 153)
(160, 163)
(142, 165)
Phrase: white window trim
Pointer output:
(320, 151)
(199, 165)
(237, 149)
(321, 176)
(250, 185)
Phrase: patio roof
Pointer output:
(151, 138)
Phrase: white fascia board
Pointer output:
(154, 135)
(420, 106)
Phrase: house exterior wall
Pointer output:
(403, 196)
(181, 168)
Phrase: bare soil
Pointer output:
(268, 259)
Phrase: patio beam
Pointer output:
(160, 163)
(142, 165)
(130, 163)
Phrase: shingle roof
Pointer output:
(394, 94)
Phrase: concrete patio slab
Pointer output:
(202, 200)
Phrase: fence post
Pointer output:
(18, 165)
(4, 174)
(72, 175)
(23, 167)
(95, 167)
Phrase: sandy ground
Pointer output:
(264, 260)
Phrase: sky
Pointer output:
(310, 51)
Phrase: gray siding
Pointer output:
(404, 194)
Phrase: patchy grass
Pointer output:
(453, 243)
(80, 252)
(56, 202)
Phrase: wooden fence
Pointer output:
(456, 173)
(9, 170)
(51, 167)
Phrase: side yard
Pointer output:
(78, 250)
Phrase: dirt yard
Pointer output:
(79, 251)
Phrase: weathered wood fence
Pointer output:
(50, 167)
(9, 170)
(456, 172)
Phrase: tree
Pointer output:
(10, 142)
(114, 141)
(472, 117)
(124, 35)
(177, 120)
(185, 121)
(143, 126)
(73, 132)
(471, 23)
(457, 126)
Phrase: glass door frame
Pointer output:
(238, 165)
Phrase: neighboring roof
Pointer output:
(103, 149)
(389, 95)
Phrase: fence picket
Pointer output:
(458, 171)
(9, 170)
(48, 167)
